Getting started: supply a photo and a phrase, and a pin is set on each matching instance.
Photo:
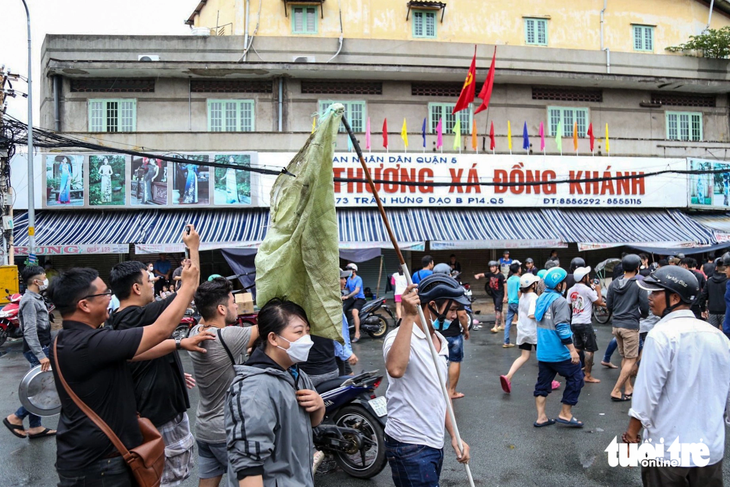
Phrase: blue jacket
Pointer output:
(552, 313)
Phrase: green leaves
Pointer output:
(712, 44)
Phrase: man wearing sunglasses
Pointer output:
(93, 361)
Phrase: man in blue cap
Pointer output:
(555, 351)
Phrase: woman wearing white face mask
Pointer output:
(272, 405)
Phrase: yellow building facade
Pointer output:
(550, 23)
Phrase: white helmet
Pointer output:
(528, 279)
(581, 272)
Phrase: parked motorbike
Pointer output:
(352, 431)
(187, 322)
(9, 319)
(372, 320)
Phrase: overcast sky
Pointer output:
(104, 17)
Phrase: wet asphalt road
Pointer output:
(506, 449)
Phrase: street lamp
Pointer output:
(31, 178)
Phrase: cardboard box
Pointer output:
(245, 303)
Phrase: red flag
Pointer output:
(486, 92)
(467, 91)
(491, 137)
(385, 133)
(590, 134)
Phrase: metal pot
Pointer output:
(37, 392)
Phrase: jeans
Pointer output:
(413, 465)
(108, 472)
(512, 309)
(35, 421)
(610, 349)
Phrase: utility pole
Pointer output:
(31, 179)
(7, 257)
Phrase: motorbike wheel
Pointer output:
(383, 327)
(601, 314)
(369, 461)
(3, 336)
(180, 332)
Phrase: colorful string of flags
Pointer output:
(466, 98)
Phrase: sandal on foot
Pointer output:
(546, 423)
(42, 434)
(623, 398)
(15, 428)
(573, 423)
(506, 384)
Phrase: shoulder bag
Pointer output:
(147, 461)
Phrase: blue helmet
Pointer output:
(554, 277)
(541, 273)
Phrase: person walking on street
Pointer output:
(272, 406)
(417, 417)
(691, 264)
(712, 296)
(93, 360)
(354, 300)
(685, 363)
(530, 266)
(399, 282)
(513, 302)
(582, 297)
(33, 316)
(496, 288)
(628, 303)
(555, 352)
(427, 265)
(570, 280)
(214, 371)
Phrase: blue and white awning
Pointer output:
(486, 229)
(595, 229)
(719, 224)
(79, 232)
(365, 229)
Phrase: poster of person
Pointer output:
(64, 180)
(232, 186)
(701, 186)
(191, 182)
(149, 181)
(106, 180)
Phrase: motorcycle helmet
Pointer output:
(438, 287)
(541, 273)
(493, 263)
(672, 279)
(725, 259)
(442, 269)
(577, 262)
(580, 273)
(213, 276)
(528, 280)
(630, 262)
(554, 277)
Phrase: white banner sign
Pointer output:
(75, 249)
(513, 181)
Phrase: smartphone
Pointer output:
(187, 250)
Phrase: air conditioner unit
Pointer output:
(304, 59)
(148, 57)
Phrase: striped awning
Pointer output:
(81, 232)
(365, 229)
(486, 229)
(719, 224)
(593, 229)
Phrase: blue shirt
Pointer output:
(352, 284)
(163, 266)
(343, 352)
(553, 328)
(419, 276)
(513, 289)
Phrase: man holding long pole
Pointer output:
(415, 435)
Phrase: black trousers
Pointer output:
(709, 476)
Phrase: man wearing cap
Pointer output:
(581, 297)
(530, 266)
(555, 351)
(354, 299)
(682, 388)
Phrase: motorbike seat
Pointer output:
(331, 384)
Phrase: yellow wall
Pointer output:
(571, 25)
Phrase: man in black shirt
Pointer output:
(93, 363)
(159, 384)
(690, 264)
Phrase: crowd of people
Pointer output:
(257, 385)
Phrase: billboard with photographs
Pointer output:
(96, 180)
(710, 188)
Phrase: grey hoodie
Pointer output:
(628, 303)
(268, 433)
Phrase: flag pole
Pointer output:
(421, 316)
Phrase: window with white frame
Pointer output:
(113, 115)
(643, 38)
(424, 24)
(231, 116)
(355, 111)
(536, 32)
(443, 111)
(569, 116)
(684, 125)
(304, 20)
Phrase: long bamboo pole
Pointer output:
(421, 316)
